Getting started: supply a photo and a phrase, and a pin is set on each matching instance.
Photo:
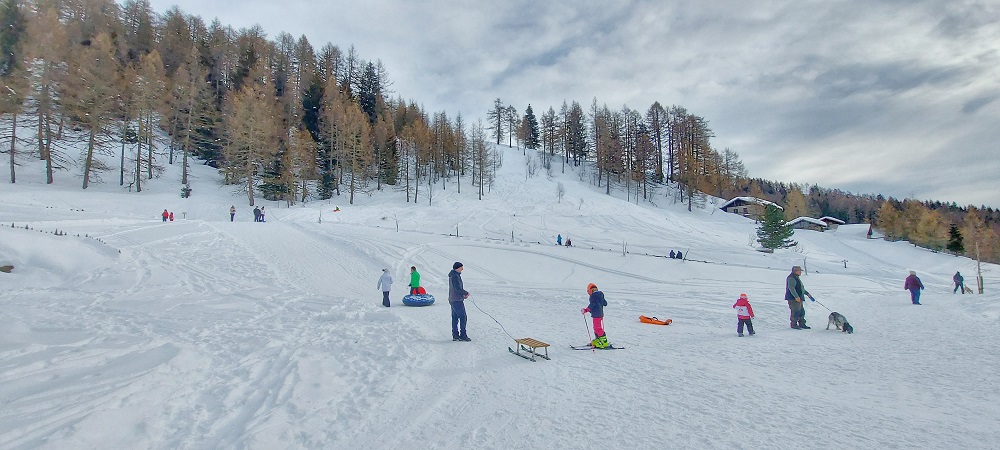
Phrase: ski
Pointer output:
(588, 347)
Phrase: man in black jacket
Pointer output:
(456, 297)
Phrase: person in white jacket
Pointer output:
(385, 283)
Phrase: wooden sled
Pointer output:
(654, 320)
(530, 347)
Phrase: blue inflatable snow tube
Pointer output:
(418, 300)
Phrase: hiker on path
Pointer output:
(171, 216)
(165, 215)
(795, 293)
(596, 310)
(232, 213)
(456, 297)
(559, 240)
(261, 213)
(414, 280)
(385, 283)
(673, 255)
(913, 285)
(744, 312)
(256, 214)
(959, 283)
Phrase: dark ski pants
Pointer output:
(385, 298)
(797, 314)
(458, 317)
(915, 296)
(959, 287)
(739, 328)
(232, 217)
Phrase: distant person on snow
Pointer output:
(569, 242)
(385, 283)
(261, 213)
(673, 255)
(165, 215)
(414, 280)
(171, 216)
(456, 297)
(680, 255)
(959, 283)
(256, 214)
(913, 285)
(559, 240)
(744, 312)
(795, 293)
(232, 213)
(596, 310)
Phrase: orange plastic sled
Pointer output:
(654, 320)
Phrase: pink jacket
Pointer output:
(743, 309)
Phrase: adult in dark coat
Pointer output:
(456, 297)
(959, 283)
(913, 285)
(795, 293)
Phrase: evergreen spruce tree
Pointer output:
(532, 138)
(773, 232)
(955, 240)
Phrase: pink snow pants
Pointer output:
(598, 326)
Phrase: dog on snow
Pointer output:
(838, 320)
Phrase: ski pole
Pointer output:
(589, 340)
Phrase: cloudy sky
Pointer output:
(898, 97)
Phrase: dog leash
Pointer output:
(820, 304)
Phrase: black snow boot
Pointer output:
(795, 325)
(803, 326)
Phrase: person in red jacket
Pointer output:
(744, 312)
(165, 215)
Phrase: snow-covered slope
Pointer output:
(201, 333)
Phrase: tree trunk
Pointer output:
(13, 139)
(48, 150)
(149, 144)
(89, 161)
(121, 165)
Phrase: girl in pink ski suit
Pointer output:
(744, 312)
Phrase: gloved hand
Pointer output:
(584, 310)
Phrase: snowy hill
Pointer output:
(201, 333)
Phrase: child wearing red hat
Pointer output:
(596, 310)
(744, 312)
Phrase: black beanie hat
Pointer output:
(457, 265)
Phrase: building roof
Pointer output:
(833, 219)
(808, 220)
(756, 200)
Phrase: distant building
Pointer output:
(808, 223)
(752, 207)
(832, 222)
